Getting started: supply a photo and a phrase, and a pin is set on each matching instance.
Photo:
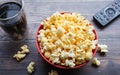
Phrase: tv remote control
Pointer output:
(108, 13)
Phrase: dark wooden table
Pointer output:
(37, 11)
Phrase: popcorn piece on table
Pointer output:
(25, 49)
(30, 67)
(53, 72)
(96, 62)
(102, 48)
(21, 54)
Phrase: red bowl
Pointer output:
(58, 66)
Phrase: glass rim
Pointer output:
(15, 14)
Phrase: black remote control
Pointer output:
(108, 13)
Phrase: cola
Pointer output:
(13, 19)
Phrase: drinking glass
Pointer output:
(12, 18)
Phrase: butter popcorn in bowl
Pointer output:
(66, 40)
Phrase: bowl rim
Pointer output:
(59, 66)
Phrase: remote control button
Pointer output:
(110, 12)
(113, 5)
(119, 10)
(104, 16)
(116, 7)
(101, 13)
(96, 16)
(117, 1)
(100, 19)
(107, 19)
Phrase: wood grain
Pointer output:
(36, 12)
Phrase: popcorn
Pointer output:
(91, 28)
(21, 54)
(25, 49)
(71, 54)
(67, 39)
(69, 63)
(60, 31)
(102, 48)
(58, 42)
(56, 60)
(88, 56)
(53, 72)
(47, 54)
(43, 40)
(96, 62)
(30, 67)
